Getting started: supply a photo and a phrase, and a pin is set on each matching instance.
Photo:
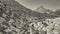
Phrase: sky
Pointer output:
(33, 4)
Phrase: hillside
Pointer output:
(17, 19)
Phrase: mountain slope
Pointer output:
(18, 7)
(17, 18)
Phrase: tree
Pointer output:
(2, 8)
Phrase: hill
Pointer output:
(17, 19)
